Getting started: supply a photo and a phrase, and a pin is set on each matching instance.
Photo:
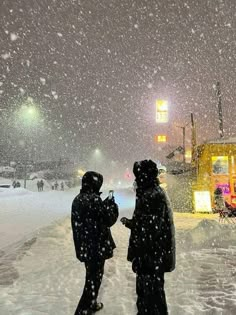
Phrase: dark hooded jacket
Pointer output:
(91, 219)
(152, 238)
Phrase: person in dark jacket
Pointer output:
(152, 240)
(91, 219)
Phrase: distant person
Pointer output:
(52, 187)
(219, 200)
(41, 184)
(14, 184)
(62, 186)
(56, 185)
(91, 219)
(38, 185)
(18, 184)
(152, 240)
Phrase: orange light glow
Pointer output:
(160, 138)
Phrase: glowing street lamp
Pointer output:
(97, 151)
(97, 154)
(28, 117)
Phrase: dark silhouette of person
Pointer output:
(152, 239)
(91, 219)
(56, 185)
(18, 185)
(38, 185)
(41, 184)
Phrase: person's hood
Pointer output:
(91, 182)
(145, 173)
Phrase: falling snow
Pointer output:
(13, 37)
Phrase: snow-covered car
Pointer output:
(5, 186)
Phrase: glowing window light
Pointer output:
(162, 111)
(160, 138)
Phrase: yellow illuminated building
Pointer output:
(216, 168)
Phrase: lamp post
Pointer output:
(1, 110)
(28, 117)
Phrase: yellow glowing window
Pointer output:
(161, 111)
(220, 165)
(162, 105)
(161, 138)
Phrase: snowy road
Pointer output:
(46, 279)
(24, 212)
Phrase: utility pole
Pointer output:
(194, 160)
(218, 91)
(184, 147)
(25, 173)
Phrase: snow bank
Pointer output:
(47, 279)
(13, 192)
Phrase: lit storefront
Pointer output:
(216, 168)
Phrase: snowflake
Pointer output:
(42, 80)
(13, 36)
(6, 56)
(55, 95)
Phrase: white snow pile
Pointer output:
(42, 275)
(10, 192)
(208, 234)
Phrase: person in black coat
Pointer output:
(152, 240)
(91, 219)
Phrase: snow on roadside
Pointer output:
(24, 212)
(48, 279)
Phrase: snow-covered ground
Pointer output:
(40, 274)
(23, 211)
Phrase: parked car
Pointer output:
(5, 186)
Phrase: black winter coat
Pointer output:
(152, 239)
(91, 219)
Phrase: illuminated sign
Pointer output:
(160, 138)
(202, 201)
(162, 111)
(224, 187)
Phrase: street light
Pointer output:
(97, 154)
(28, 118)
(29, 115)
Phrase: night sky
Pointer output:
(95, 68)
